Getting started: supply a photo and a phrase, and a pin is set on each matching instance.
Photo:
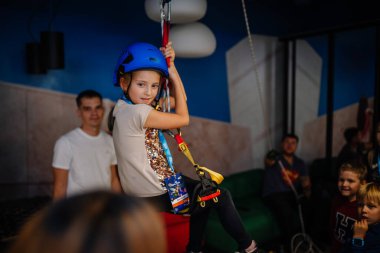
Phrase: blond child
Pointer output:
(366, 233)
(344, 206)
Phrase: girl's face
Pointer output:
(144, 86)
(369, 211)
(348, 184)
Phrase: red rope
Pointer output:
(165, 38)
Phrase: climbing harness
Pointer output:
(207, 189)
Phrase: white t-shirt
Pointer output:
(136, 174)
(87, 158)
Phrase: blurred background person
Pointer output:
(285, 173)
(84, 158)
(353, 149)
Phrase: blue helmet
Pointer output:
(140, 56)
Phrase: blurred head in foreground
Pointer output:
(97, 222)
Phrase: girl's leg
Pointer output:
(198, 223)
(198, 219)
(228, 216)
(231, 221)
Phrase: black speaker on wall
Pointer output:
(52, 48)
(34, 62)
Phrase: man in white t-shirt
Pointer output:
(84, 158)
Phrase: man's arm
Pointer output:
(115, 180)
(60, 183)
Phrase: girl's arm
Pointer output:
(180, 117)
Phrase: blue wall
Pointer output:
(93, 43)
(92, 47)
(354, 67)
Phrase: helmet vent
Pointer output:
(152, 59)
(128, 59)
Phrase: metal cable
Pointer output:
(253, 56)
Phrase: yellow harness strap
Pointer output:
(215, 176)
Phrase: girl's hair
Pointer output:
(356, 167)
(128, 77)
(369, 192)
(94, 222)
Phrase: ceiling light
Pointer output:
(192, 40)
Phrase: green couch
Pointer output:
(245, 188)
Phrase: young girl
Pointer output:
(366, 233)
(144, 159)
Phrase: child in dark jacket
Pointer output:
(366, 233)
(344, 211)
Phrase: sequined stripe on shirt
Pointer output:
(157, 156)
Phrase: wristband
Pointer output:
(358, 242)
